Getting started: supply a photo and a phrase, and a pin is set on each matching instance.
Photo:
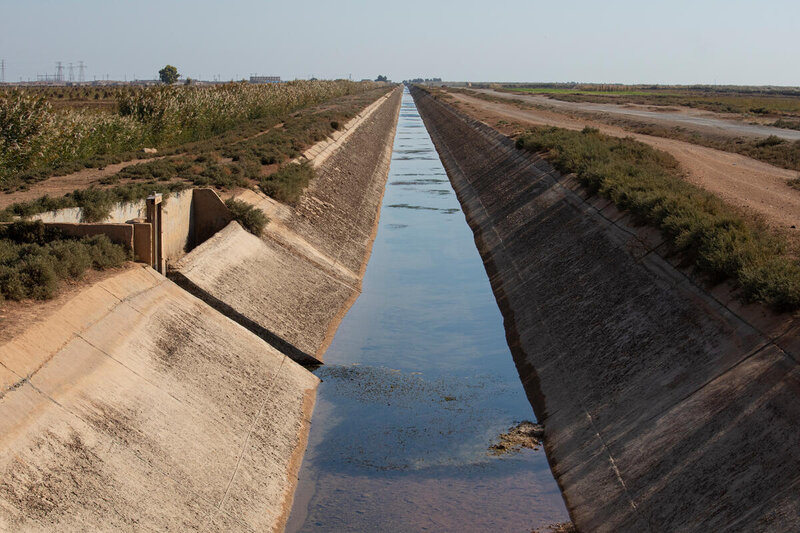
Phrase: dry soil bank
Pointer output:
(665, 406)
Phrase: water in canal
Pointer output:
(419, 381)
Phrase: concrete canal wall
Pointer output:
(667, 405)
(137, 406)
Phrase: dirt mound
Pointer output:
(524, 435)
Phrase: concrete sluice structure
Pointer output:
(667, 406)
(138, 406)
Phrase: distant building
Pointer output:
(265, 79)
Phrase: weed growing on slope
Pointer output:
(648, 183)
(250, 217)
(287, 184)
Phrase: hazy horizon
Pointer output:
(611, 42)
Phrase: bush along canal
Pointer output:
(419, 383)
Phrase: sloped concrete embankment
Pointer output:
(293, 286)
(138, 407)
(666, 407)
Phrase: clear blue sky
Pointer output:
(741, 42)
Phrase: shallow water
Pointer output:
(419, 381)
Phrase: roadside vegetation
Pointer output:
(648, 183)
(772, 150)
(38, 141)
(35, 259)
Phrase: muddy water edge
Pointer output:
(419, 382)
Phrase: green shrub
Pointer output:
(34, 258)
(39, 276)
(11, 285)
(287, 184)
(772, 140)
(250, 217)
(648, 183)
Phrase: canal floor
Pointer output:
(419, 381)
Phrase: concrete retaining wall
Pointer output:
(667, 406)
(74, 215)
(188, 218)
(138, 407)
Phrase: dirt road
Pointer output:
(757, 187)
(670, 117)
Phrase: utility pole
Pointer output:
(81, 71)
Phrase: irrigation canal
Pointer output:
(419, 381)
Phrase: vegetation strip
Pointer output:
(648, 183)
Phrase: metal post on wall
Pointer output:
(154, 214)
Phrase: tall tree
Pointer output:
(169, 74)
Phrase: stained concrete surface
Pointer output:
(145, 409)
(665, 406)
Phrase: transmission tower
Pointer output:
(71, 72)
(2, 70)
(59, 72)
(81, 71)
